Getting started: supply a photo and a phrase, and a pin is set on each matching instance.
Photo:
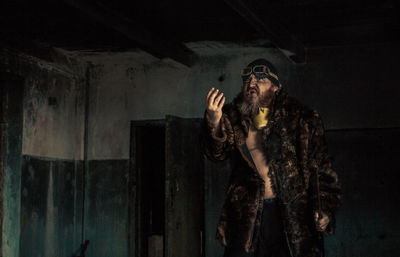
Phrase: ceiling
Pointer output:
(162, 27)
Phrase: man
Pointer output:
(282, 191)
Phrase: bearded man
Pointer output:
(283, 193)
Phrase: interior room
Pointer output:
(102, 107)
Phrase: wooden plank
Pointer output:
(184, 221)
(161, 47)
(268, 26)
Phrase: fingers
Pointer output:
(209, 93)
(322, 227)
(222, 102)
(322, 223)
(316, 215)
(213, 99)
(218, 99)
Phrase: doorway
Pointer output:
(166, 206)
(148, 158)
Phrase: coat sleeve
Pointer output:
(320, 163)
(217, 146)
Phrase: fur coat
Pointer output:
(295, 149)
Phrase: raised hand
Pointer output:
(214, 104)
(321, 222)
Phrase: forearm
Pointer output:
(217, 139)
(213, 127)
(324, 180)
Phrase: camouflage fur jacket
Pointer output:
(295, 149)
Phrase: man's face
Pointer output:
(258, 91)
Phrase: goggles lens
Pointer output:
(246, 72)
(260, 71)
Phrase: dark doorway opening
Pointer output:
(166, 189)
(148, 159)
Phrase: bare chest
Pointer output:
(254, 143)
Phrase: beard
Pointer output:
(249, 107)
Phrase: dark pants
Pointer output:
(271, 241)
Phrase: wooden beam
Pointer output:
(362, 34)
(19, 42)
(272, 29)
(160, 47)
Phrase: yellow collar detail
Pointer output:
(260, 120)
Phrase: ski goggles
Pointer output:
(259, 71)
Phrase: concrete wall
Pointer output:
(47, 210)
(137, 86)
(53, 131)
(356, 91)
(10, 164)
(351, 88)
(53, 116)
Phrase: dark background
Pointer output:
(74, 74)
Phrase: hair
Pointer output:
(246, 108)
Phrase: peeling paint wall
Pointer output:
(51, 209)
(11, 101)
(347, 87)
(52, 133)
(48, 205)
(53, 116)
(351, 89)
(137, 86)
(53, 104)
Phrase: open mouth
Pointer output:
(252, 92)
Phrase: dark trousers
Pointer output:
(271, 241)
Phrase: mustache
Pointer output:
(255, 88)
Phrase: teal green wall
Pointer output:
(12, 166)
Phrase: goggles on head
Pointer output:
(259, 71)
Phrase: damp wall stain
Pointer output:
(51, 207)
(136, 86)
(43, 216)
(12, 88)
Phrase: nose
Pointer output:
(253, 80)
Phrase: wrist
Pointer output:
(213, 123)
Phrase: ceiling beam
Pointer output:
(152, 42)
(270, 28)
(378, 33)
